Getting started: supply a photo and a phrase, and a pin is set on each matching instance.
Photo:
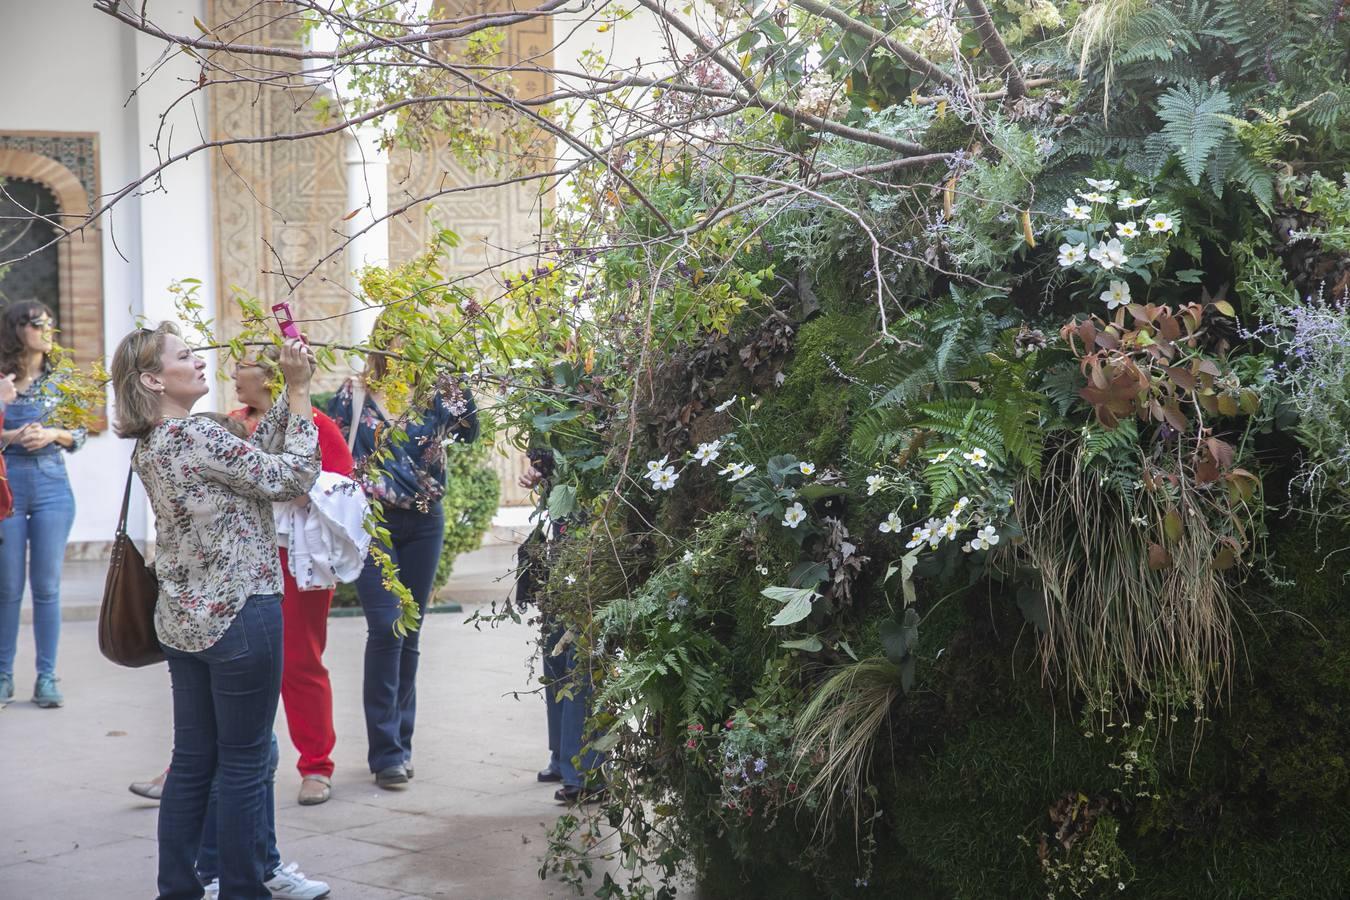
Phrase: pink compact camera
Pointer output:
(285, 322)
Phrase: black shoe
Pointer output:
(548, 775)
(391, 777)
(571, 794)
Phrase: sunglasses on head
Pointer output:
(41, 322)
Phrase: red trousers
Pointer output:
(305, 690)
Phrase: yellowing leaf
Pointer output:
(1172, 525)
(1225, 307)
(1027, 234)
(201, 26)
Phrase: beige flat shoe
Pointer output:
(150, 790)
(315, 789)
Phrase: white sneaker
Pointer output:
(291, 884)
(212, 890)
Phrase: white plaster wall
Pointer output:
(147, 241)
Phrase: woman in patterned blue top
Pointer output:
(33, 538)
(410, 485)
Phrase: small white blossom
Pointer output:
(943, 456)
(1076, 210)
(520, 364)
(656, 465)
(977, 457)
(736, 471)
(874, 483)
(763, 570)
(708, 452)
(665, 479)
(949, 528)
(892, 525)
(1117, 295)
(807, 468)
(1102, 184)
(688, 556)
(570, 579)
(1095, 197)
(794, 516)
(1159, 223)
(919, 536)
(1109, 254)
(934, 529)
(725, 404)
(1069, 254)
(985, 538)
(1128, 202)
(1127, 230)
(959, 506)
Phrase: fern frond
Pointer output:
(1193, 124)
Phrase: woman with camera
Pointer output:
(218, 616)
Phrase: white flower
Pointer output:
(892, 525)
(977, 457)
(1127, 230)
(1095, 197)
(1128, 202)
(706, 453)
(656, 465)
(1102, 184)
(959, 506)
(807, 468)
(920, 536)
(1076, 210)
(520, 364)
(736, 471)
(763, 570)
(794, 516)
(570, 579)
(1159, 223)
(985, 538)
(943, 456)
(948, 528)
(665, 479)
(1109, 254)
(1072, 253)
(934, 529)
(688, 556)
(723, 406)
(874, 483)
(1117, 295)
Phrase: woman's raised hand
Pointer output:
(297, 363)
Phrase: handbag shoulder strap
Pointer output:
(358, 407)
(126, 503)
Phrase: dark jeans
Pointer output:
(208, 858)
(224, 703)
(567, 698)
(390, 692)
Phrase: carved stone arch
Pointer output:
(80, 255)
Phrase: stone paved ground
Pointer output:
(470, 826)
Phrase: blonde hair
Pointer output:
(139, 352)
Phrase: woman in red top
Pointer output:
(306, 691)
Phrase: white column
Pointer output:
(368, 192)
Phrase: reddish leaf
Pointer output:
(1158, 557)
(1181, 377)
(1174, 416)
(1221, 452)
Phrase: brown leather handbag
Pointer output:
(126, 620)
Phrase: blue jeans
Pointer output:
(390, 691)
(33, 546)
(208, 857)
(567, 699)
(224, 703)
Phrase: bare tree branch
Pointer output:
(998, 51)
(912, 60)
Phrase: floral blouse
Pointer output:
(414, 474)
(212, 494)
(34, 405)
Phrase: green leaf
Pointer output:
(810, 644)
(545, 423)
(1190, 276)
(562, 501)
(808, 574)
(797, 603)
